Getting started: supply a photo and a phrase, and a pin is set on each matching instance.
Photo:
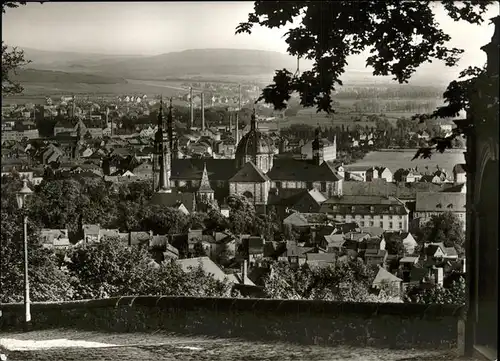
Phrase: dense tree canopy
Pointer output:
(446, 228)
(401, 36)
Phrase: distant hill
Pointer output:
(214, 64)
(49, 76)
(188, 63)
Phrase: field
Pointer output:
(402, 159)
(36, 92)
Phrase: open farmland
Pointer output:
(395, 159)
(42, 90)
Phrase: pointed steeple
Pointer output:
(205, 182)
(164, 185)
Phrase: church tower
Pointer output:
(317, 147)
(205, 193)
(162, 156)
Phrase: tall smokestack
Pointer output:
(238, 115)
(191, 109)
(202, 112)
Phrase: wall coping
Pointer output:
(256, 305)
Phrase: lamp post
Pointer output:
(21, 202)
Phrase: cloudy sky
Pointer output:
(151, 28)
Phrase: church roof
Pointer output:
(249, 173)
(192, 169)
(254, 141)
(205, 182)
(174, 199)
(302, 170)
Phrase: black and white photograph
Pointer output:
(249, 180)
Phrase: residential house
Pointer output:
(333, 243)
(430, 204)
(356, 172)
(305, 220)
(374, 254)
(388, 213)
(385, 280)
(210, 267)
(91, 233)
(379, 173)
(55, 238)
(320, 259)
(405, 238)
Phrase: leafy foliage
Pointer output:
(47, 281)
(346, 280)
(454, 294)
(12, 59)
(446, 228)
(402, 36)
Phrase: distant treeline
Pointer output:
(406, 91)
(50, 76)
(402, 105)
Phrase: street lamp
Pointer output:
(21, 202)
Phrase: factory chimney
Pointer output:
(202, 112)
(238, 115)
(191, 119)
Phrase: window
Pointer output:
(309, 185)
(371, 223)
(381, 224)
(400, 225)
(278, 185)
(372, 209)
(362, 223)
(323, 186)
(390, 225)
(390, 216)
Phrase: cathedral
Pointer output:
(255, 172)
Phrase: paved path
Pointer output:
(54, 345)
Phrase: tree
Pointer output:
(198, 250)
(346, 280)
(446, 228)
(12, 59)
(47, 281)
(402, 36)
(454, 294)
(108, 269)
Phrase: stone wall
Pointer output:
(305, 322)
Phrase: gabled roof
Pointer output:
(192, 169)
(384, 276)
(249, 173)
(208, 266)
(321, 257)
(373, 231)
(175, 199)
(305, 219)
(302, 170)
(335, 240)
(440, 201)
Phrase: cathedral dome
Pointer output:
(254, 142)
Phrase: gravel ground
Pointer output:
(54, 345)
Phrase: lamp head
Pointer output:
(22, 194)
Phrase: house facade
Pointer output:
(388, 213)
